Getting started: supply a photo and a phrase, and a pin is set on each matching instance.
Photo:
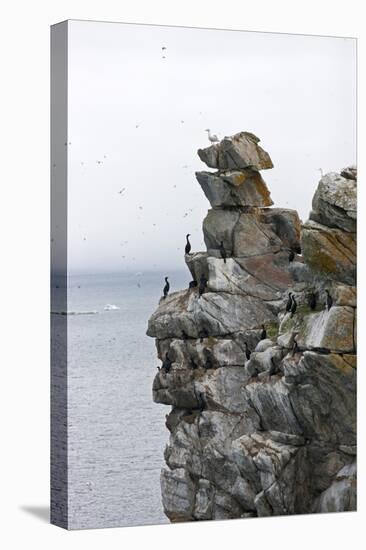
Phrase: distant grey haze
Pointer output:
(136, 121)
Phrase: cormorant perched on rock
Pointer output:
(193, 365)
(202, 285)
(193, 284)
(295, 348)
(208, 360)
(188, 245)
(203, 334)
(291, 256)
(247, 351)
(201, 401)
(329, 300)
(167, 363)
(293, 306)
(222, 251)
(289, 301)
(273, 369)
(312, 301)
(185, 335)
(166, 287)
(263, 333)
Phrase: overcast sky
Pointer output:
(136, 121)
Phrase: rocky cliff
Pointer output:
(263, 400)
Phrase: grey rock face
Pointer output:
(240, 151)
(261, 423)
(335, 202)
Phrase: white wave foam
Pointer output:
(110, 307)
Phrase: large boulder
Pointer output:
(236, 153)
(341, 495)
(330, 252)
(265, 276)
(219, 314)
(335, 202)
(197, 265)
(234, 188)
(331, 330)
(286, 224)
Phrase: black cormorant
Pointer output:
(193, 365)
(166, 287)
(263, 333)
(295, 348)
(208, 359)
(222, 251)
(188, 245)
(192, 284)
(203, 333)
(312, 301)
(247, 351)
(185, 335)
(273, 369)
(167, 363)
(289, 301)
(201, 401)
(293, 306)
(291, 256)
(329, 300)
(202, 285)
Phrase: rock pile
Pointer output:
(271, 432)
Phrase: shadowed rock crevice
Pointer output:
(263, 414)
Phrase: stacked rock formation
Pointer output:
(275, 434)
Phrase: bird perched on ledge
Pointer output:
(293, 306)
(248, 353)
(188, 245)
(166, 287)
(202, 285)
(212, 137)
(312, 301)
(222, 251)
(289, 302)
(263, 333)
(329, 301)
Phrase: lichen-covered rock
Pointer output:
(330, 252)
(236, 153)
(350, 172)
(335, 202)
(234, 188)
(332, 330)
(263, 417)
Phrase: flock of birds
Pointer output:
(291, 307)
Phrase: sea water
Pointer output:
(116, 433)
